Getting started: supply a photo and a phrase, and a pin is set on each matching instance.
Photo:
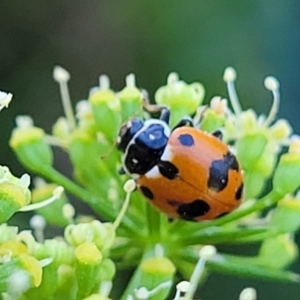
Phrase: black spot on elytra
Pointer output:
(186, 140)
(222, 215)
(190, 211)
(147, 192)
(239, 192)
(218, 172)
(167, 169)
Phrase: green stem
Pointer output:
(252, 270)
(99, 205)
(122, 212)
(153, 220)
(75, 189)
(240, 266)
(136, 279)
(216, 235)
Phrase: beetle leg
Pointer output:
(200, 112)
(155, 108)
(186, 121)
(218, 134)
(121, 171)
(165, 115)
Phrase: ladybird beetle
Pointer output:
(185, 172)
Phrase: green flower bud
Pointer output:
(88, 253)
(12, 199)
(155, 271)
(85, 153)
(32, 266)
(286, 177)
(105, 108)
(212, 121)
(61, 128)
(14, 193)
(31, 148)
(48, 284)
(19, 274)
(53, 213)
(110, 234)
(106, 270)
(102, 234)
(286, 217)
(278, 252)
(281, 130)
(26, 238)
(160, 266)
(266, 163)
(248, 121)
(256, 177)
(7, 233)
(180, 97)
(58, 250)
(13, 248)
(131, 99)
(255, 182)
(88, 259)
(249, 148)
(230, 128)
(257, 157)
(67, 286)
(86, 120)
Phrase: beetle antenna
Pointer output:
(155, 108)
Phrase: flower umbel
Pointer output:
(125, 231)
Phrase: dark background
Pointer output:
(197, 39)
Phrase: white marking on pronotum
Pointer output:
(147, 124)
(153, 173)
(167, 154)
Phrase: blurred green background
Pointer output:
(197, 39)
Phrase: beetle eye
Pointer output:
(153, 137)
(126, 133)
